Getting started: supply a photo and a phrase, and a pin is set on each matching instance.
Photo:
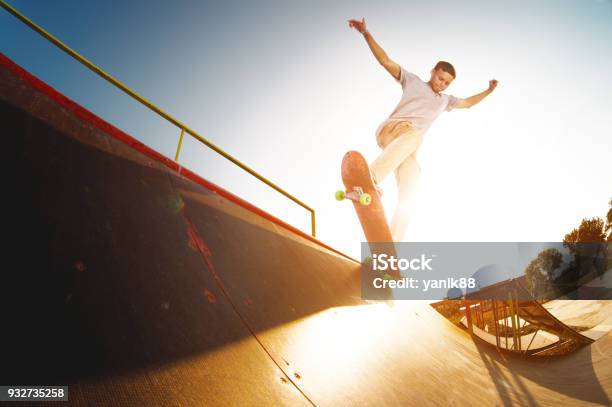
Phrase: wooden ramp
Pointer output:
(135, 282)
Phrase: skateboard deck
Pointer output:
(361, 190)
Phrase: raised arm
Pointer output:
(472, 100)
(379, 53)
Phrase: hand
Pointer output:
(492, 85)
(358, 25)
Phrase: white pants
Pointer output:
(400, 142)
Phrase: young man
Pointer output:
(402, 133)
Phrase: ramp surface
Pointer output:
(135, 282)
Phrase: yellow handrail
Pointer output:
(154, 108)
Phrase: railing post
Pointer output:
(180, 143)
(313, 223)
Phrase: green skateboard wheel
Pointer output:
(340, 195)
(365, 199)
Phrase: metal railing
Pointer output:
(184, 129)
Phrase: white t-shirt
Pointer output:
(419, 104)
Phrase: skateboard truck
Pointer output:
(356, 195)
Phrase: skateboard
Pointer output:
(361, 190)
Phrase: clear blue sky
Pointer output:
(288, 88)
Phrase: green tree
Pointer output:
(589, 245)
(590, 231)
(539, 273)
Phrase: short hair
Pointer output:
(446, 67)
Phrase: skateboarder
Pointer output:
(401, 134)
